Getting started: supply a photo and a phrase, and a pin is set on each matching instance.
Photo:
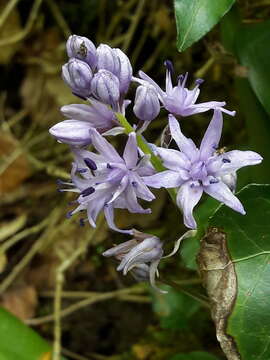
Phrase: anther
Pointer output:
(81, 171)
(199, 81)
(87, 191)
(109, 166)
(90, 163)
(69, 214)
(169, 66)
(213, 181)
(226, 160)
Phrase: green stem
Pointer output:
(156, 162)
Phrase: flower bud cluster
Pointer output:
(104, 72)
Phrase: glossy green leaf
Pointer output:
(174, 309)
(18, 341)
(254, 53)
(248, 241)
(258, 127)
(194, 18)
(195, 355)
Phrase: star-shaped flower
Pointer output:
(197, 170)
(106, 180)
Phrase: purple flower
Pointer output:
(82, 48)
(82, 118)
(78, 75)
(140, 256)
(106, 181)
(196, 171)
(146, 105)
(180, 100)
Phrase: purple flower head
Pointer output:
(115, 61)
(196, 171)
(82, 48)
(146, 105)
(140, 256)
(78, 75)
(105, 87)
(106, 181)
(178, 99)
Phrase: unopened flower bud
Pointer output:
(107, 59)
(78, 75)
(105, 87)
(124, 73)
(147, 105)
(82, 48)
(72, 132)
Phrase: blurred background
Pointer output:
(45, 258)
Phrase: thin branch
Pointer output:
(22, 34)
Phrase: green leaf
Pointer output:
(194, 18)
(254, 52)
(258, 127)
(195, 355)
(174, 309)
(17, 341)
(248, 242)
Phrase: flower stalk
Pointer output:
(156, 162)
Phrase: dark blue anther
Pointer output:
(90, 163)
(87, 191)
(134, 183)
(226, 160)
(109, 166)
(169, 66)
(81, 171)
(199, 81)
(213, 181)
(69, 214)
(81, 222)
(180, 78)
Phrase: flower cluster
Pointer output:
(105, 181)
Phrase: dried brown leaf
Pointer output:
(21, 301)
(219, 279)
(16, 168)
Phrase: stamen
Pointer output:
(90, 163)
(213, 181)
(81, 171)
(82, 222)
(199, 81)
(109, 166)
(69, 214)
(87, 191)
(226, 160)
(169, 66)
(134, 183)
(185, 80)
